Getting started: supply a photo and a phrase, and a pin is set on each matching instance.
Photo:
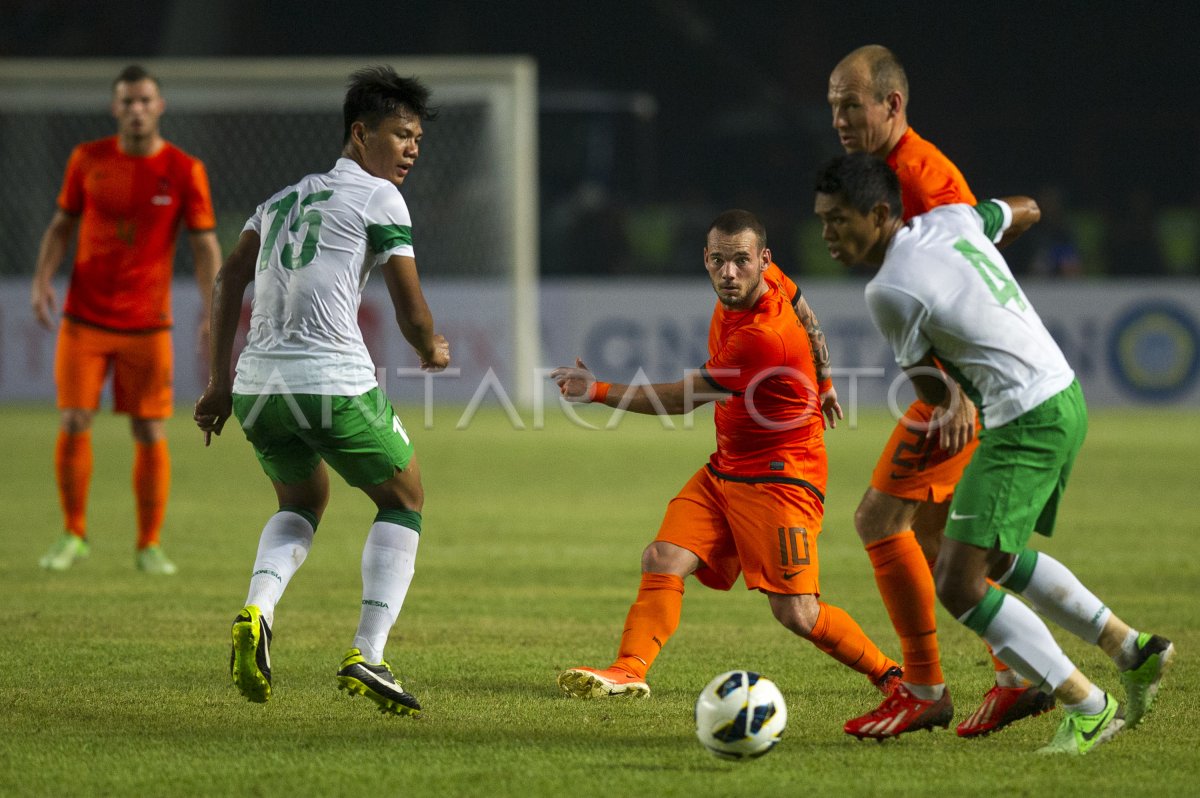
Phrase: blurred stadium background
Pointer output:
(652, 117)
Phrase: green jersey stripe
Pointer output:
(383, 237)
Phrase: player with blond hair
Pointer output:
(902, 516)
(127, 195)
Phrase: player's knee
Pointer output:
(798, 614)
(667, 558)
(879, 516)
(74, 421)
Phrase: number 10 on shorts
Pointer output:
(793, 546)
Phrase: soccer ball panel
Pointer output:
(740, 715)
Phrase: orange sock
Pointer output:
(837, 634)
(73, 469)
(151, 481)
(906, 585)
(652, 619)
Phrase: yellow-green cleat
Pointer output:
(1079, 733)
(151, 560)
(250, 657)
(1155, 655)
(376, 682)
(64, 553)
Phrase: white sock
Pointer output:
(1127, 657)
(282, 547)
(1094, 702)
(1020, 640)
(1058, 594)
(926, 692)
(388, 563)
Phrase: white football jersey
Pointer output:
(319, 241)
(945, 289)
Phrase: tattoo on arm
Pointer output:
(816, 338)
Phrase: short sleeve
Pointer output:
(70, 197)
(389, 226)
(198, 212)
(996, 216)
(743, 358)
(899, 318)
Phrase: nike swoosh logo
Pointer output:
(1088, 735)
(786, 575)
(954, 516)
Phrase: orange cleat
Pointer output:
(902, 712)
(1002, 706)
(592, 683)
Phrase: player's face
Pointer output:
(390, 149)
(863, 123)
(735, 264)
(137, 106)
(852, 237)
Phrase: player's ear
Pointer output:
(881, 213)
(358, 133)
(764, 259)
(894, 102)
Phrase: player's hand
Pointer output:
(44, 300)
(440, 358)
(830, 407)
(955, 424)
(575, 384)
(213, 409)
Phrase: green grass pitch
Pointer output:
(114, 683)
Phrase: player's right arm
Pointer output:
(216, 403)
(577, 384)
(51, 253)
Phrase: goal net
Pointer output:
(261, 124)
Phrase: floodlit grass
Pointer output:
(114, 683)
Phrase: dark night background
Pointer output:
(1096, 105)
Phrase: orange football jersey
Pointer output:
(131, 209)
(927, 177)
(771, 428)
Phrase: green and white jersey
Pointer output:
(945, 289)
(319, 241)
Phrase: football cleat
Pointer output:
(1002, 706)
(63, 554)
(1141, 681)
(902, 712)
(890, 680)
(1079, 733)
(592, 683)
(377, 683)
(250, 657)
(151, 560)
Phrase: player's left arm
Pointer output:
(216, 403)
(412, 312)
(821, 361)
(1019, 214)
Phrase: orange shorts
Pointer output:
(142, 365)
(913, 464)
(767, 531)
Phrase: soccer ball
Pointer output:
(740, 715)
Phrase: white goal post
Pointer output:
(260, 124)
